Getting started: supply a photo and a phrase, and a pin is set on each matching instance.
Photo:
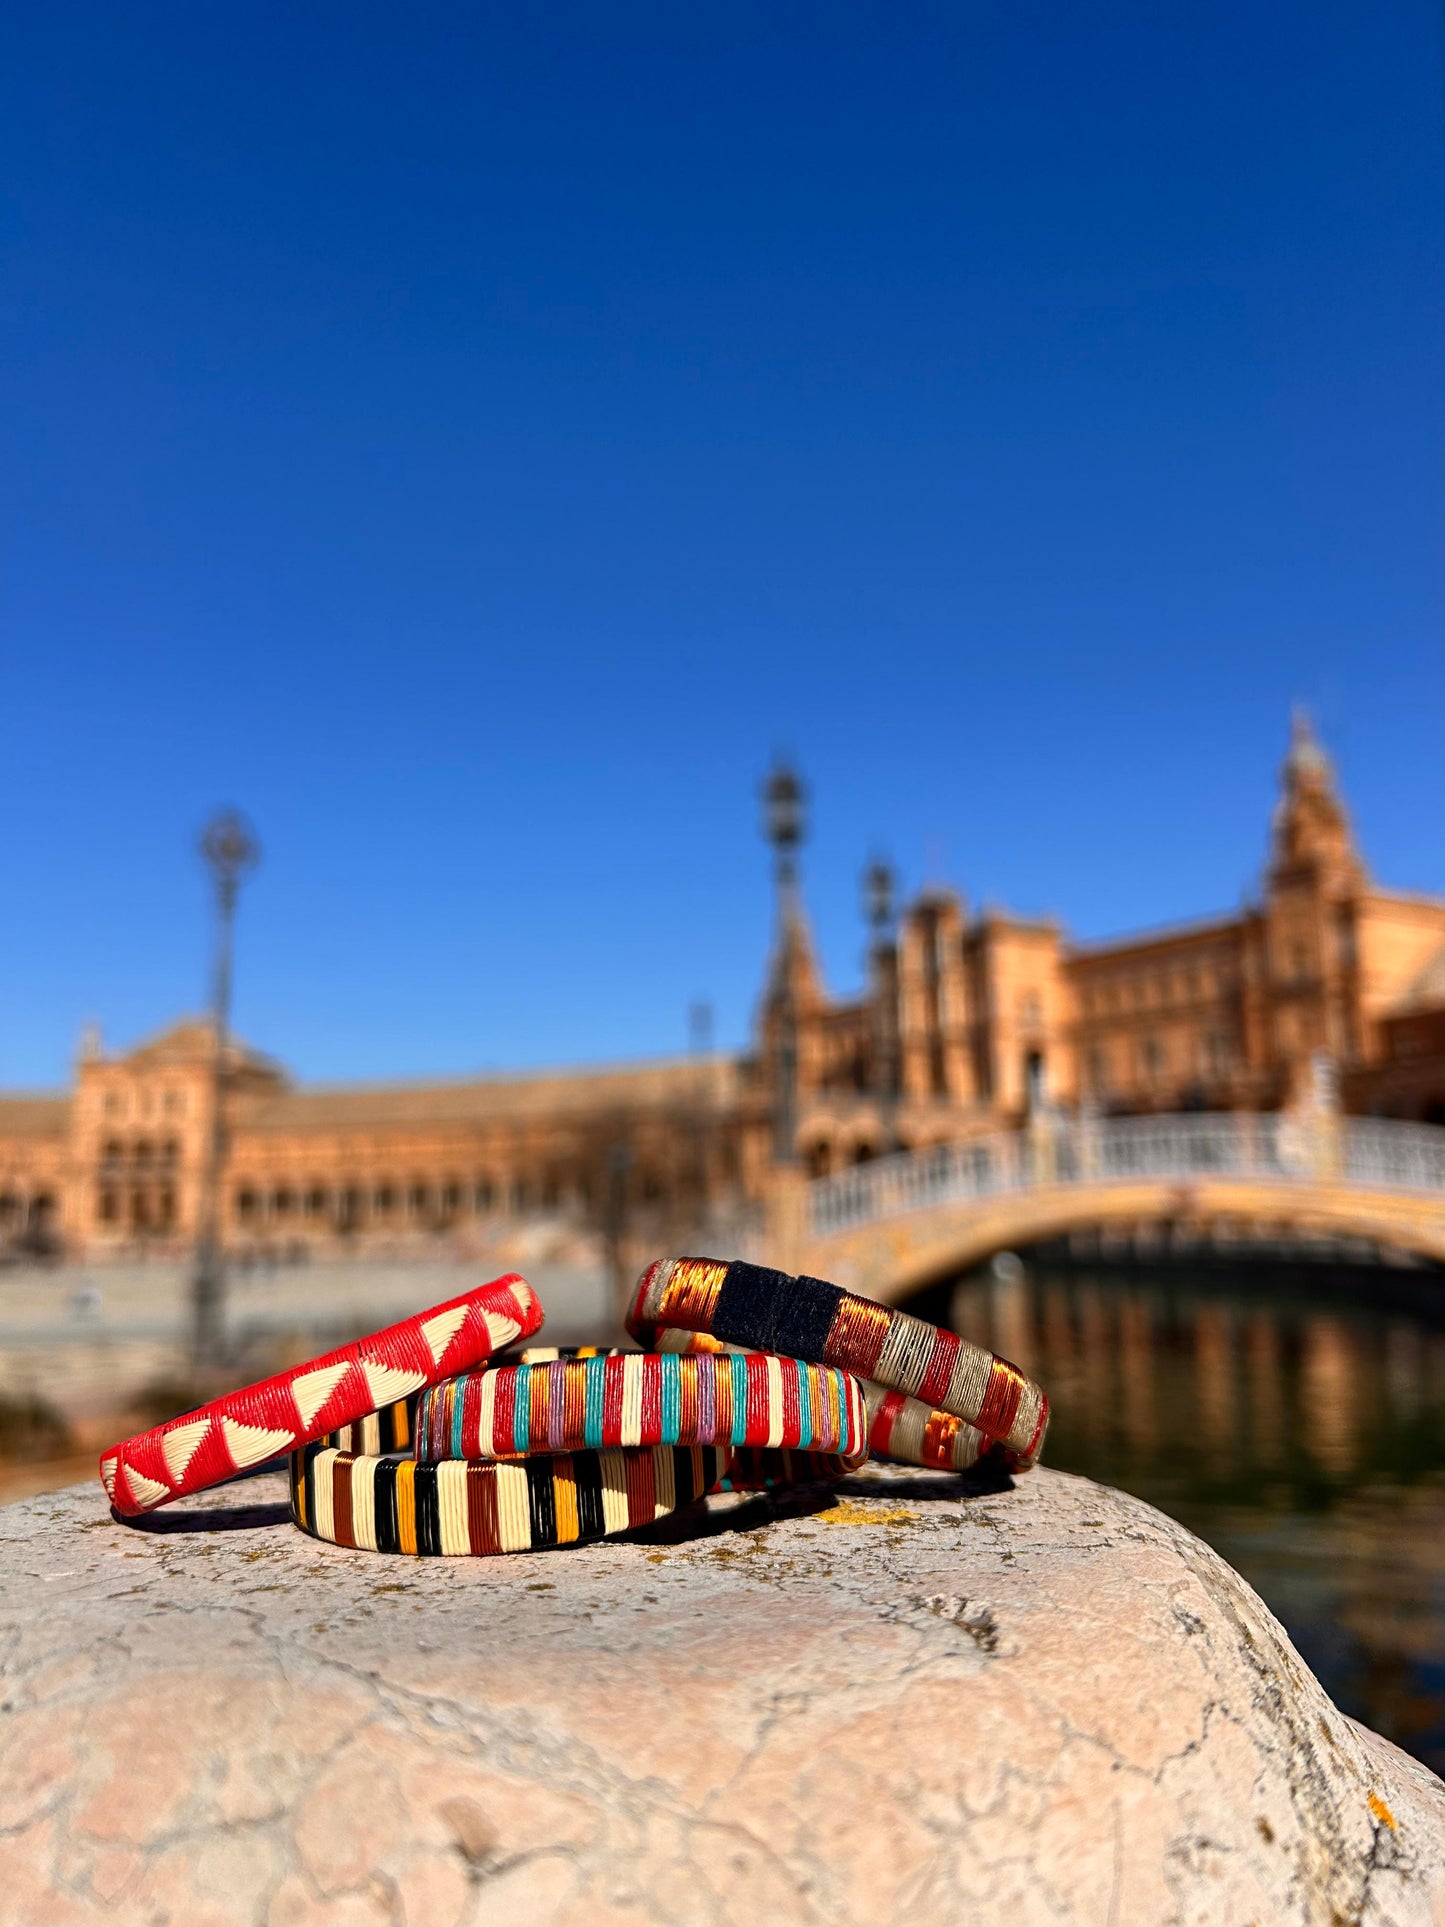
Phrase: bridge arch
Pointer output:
(908, 1222)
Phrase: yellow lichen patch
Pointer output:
(1381, 1812)
(847, 1512)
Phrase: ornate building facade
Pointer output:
(967, 1023)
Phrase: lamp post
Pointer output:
(230, 850)
(878, 891)
(783, 800)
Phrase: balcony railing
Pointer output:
(1368, 1153)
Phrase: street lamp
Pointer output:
(879, 884)
(783, 801)
(230, 850)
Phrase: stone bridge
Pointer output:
(894, 1226)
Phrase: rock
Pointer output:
(1044, 1704)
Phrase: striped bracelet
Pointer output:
(644, 1398)
(393, 1428)
(205, 1447)
(899, 1428)
(913, 1433)
(493, 1505)
(746, 1304)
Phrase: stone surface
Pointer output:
(1045, 1704)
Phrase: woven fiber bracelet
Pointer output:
(644, 1398)
(913, 1433)
(244, 1428)
(393, 1428)
(746, 1304)
(900, 1428)
(494, 1505)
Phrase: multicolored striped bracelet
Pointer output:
(746, 1304)
(913, 1433)
(899, 1428)
(644, 1398)
(392, 1429)
(472, 1506)
(205, 1447)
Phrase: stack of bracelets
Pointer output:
(431, 1438)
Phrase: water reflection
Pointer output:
(1299, 1428)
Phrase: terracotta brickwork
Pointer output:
(966, 1023)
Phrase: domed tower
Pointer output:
(1312, 839)
(1313, 886)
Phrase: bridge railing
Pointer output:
(1371, 1153)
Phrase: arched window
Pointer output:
(383, 1200)
(105, 1207)
(112, 1154)
(170, 1151)
(348, 1208)
(166, 1210)
(283, 1202)
(418, 1199)
(483, 1192)
(142, 1153)
(451, 1199)
(315, 1202)
(246, 1206)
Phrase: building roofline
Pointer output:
(1417, 899)
(1160, 934)
(521, 1079)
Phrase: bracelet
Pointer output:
(644, 1398)
(913, 1433)
(244, 1428)
(746, 1304)
(392, 1429)
(899, 1428)
(494, 1505)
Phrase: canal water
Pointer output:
(1295, 1422)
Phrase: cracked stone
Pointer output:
(1049, 1704)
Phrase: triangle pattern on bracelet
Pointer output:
(145, 1490)
(387, 1383)
(500, 1329)
(312, 1389)
(441, 1330)
(249, 1444)
(180, 1445)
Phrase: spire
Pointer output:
(1311, 827)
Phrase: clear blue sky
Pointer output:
(473, 438)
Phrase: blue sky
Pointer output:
(473, 439)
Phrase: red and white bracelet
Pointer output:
(280, 1414)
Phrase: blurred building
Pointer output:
(970, 1021)
(967, 1023)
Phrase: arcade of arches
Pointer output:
(966, 1023)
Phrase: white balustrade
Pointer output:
(1372, 1154)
